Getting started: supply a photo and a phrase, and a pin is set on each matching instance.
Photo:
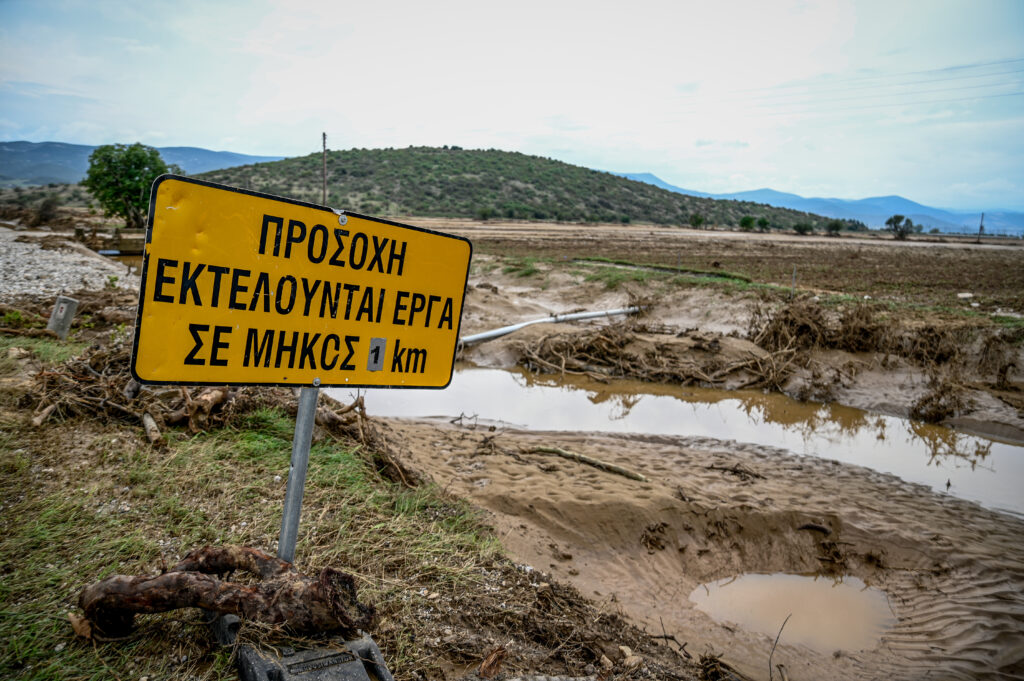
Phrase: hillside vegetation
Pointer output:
(454, 182)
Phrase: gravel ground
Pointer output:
(28, 268)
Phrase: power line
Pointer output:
(894, 75)
(840, 110)
(909, 83)
(891, 104)
(815, 100)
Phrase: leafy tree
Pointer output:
(900, 226)
(803, 228)
(833, 227)
(120, 177)
(763, 224)
(747, 223)
(696, 220)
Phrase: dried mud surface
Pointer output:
(953, 572)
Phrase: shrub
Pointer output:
(46, 211)
(900, 226)
(803, 228)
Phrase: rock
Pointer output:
(632, 662)
(606, 664)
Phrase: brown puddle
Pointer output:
(975, 468)
(824, 613)
(132, 262)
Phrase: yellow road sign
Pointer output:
(242, 288)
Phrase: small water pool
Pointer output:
(824, 613)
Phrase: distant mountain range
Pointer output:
(873, 211)
(27, 163)
(35, 163)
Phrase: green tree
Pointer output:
(900, 226)
(803, 228)
(833, 227)
(763, 224)
(696, 220)
(747, 223)
(120, 177)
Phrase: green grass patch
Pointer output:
(84, 501)
(613, 277)
(715, 274)
(521, 267)
(46, 350)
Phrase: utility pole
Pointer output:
(324, 174)
(981, 227)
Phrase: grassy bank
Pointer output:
(87, 498)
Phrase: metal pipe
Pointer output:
(572, 317)
(297, 473)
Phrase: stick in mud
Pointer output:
(770, 677)
(596, 463)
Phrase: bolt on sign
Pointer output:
(242, 288)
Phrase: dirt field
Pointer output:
(926, 270)
(694, 510)
(952, 571)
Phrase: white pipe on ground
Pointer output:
(575, 316)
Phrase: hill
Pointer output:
(486, 184)
(35, 163)
(873, 211)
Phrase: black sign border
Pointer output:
(248, 192)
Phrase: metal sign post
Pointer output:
(301, 441)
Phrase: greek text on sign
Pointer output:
(241, 288)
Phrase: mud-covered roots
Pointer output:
(711, 668)
(633, 349)
(801, 325)
(805, 324)
(283, 595)
(945, 397)
(997, 356)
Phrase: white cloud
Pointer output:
(718, 96)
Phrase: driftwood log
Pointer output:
(284, 596)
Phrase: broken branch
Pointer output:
(586, 460)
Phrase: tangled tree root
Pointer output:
(284, 597)
(945, 398)
(637, 350)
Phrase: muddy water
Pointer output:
(824, 613)
(132, 262)
(975, 468)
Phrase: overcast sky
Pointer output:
(847, 99)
